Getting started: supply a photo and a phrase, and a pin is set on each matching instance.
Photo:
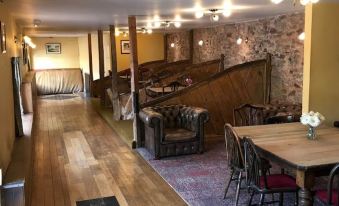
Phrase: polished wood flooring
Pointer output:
(77, 156)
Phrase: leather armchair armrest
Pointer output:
(150, 117)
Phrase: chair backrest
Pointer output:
(171, 115)
(234, 150)
(253, 164)
(247, 115)
(330, 189)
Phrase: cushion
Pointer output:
(278, 181)
(322, 195)
(178, 134)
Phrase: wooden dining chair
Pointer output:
(235, 160)
(330, 196)
(247, 115)
(259, 182)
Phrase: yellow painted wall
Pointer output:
(322, 60)
(69, 57)
(7, 132)
(150, 48)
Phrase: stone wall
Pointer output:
(276, 35)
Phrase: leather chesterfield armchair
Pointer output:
(173, 130)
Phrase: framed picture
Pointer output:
(125, 47)
(2, 37)
(53, 48)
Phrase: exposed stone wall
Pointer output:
(181, 50)
(276, 35)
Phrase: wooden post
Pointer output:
(134, 79)
(165, 46)
(90, 64)
(114, 66)
(101, 67)
(191, 44)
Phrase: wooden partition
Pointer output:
(197, 72)
(220, 93)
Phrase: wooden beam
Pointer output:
(165, 46)
(101, 66)
(191, 44)
(134, 79)
(114, 66)
(90, 63)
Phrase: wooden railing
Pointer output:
(245, 83)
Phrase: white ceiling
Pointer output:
(76, 17)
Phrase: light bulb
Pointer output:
(227, 12)
(117, 33)
(144, 31)
(199, 14)
(215, 17)
(276, 1)
(27, 39)
(149, 31)
(32, 45)
(239, 40)
(157, 24)
(301, 36)
(177, 24)
(172, 45)
(149, 25)
(201, 42)
(304, 2)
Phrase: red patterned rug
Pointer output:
(200, 179)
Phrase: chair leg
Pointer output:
(251, 198)
(228, 183)
(262, 199)
(296, 203)
(238, 189)
(281, 199)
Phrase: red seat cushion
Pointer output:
(322, 195)
(278, 181)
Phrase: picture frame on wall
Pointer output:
(3, 37)
(53, 48)
(125, 47)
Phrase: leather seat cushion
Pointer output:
(178, 134)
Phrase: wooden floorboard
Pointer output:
(77, 156)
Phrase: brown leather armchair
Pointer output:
(173, 130)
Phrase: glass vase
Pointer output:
(311, 134)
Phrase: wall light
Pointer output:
(172, 45)
(301, 36)
(239, 40)
(28, 41)
(201, 42)
(117, 32)
(149, 31)
(177, 24)
(215, 17)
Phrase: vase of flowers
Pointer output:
(312, 120)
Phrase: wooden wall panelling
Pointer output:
(222, 92)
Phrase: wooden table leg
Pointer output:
(305, 180)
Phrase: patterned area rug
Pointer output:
(200, 179)
(106, 201)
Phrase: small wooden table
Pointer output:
(287, 145)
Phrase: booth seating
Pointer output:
(173, 130)
(258, 114)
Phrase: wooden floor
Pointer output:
(77, 156)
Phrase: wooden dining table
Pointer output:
(288, 146)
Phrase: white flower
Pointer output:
(314, 121)
(305, 119)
